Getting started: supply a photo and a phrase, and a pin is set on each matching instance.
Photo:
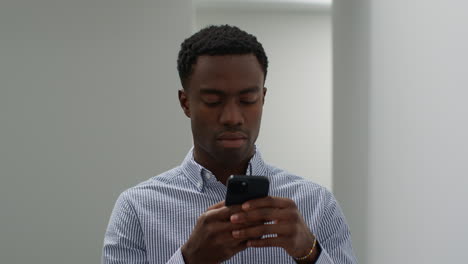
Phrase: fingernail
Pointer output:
(235, 233)
(246, 206)
(234, 218)
(249, 244)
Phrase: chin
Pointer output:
(233, 155)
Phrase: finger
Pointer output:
(261, 230)
(266, 242)
(222, 204)
(233, 227)
(227, 226)
(220, 231)
(218, 236)
(261, 215)
(222, 213)
(265, 215)
(269, 201)
(218, 223)
(218, 214)
(216, 206)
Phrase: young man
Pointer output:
(180, 216)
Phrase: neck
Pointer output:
(222, 174)
(221, 170)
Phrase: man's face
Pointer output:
(224, 99)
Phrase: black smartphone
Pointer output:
(241, 188)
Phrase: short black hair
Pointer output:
(218, 40)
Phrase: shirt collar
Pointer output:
(198, 175)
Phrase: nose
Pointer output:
(231, 114)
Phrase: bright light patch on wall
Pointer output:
(264, 4)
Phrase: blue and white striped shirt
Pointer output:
(151, 221)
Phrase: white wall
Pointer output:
(401, 126)
(88, 108)
(296, 125)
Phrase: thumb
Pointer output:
(216, 206)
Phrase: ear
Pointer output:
(264, 94)
(184, 102)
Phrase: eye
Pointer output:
(212, 104)
(211, 99)
(249, 98)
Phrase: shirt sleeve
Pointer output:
(177, 258)
(123, 241)
(334, 236)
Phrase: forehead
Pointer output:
(228, 73)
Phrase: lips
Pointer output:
(232, 140)
(232, 136)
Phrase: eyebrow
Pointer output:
(252, 89)
(211, 91)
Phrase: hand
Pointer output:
(211, 240)
(292, 234)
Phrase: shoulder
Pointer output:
(280, 178)
(155, 187)
(303, 191)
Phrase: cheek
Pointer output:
(205, 117)
(255, 117)
(253, 122)
(203, 122)
(199, 123)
